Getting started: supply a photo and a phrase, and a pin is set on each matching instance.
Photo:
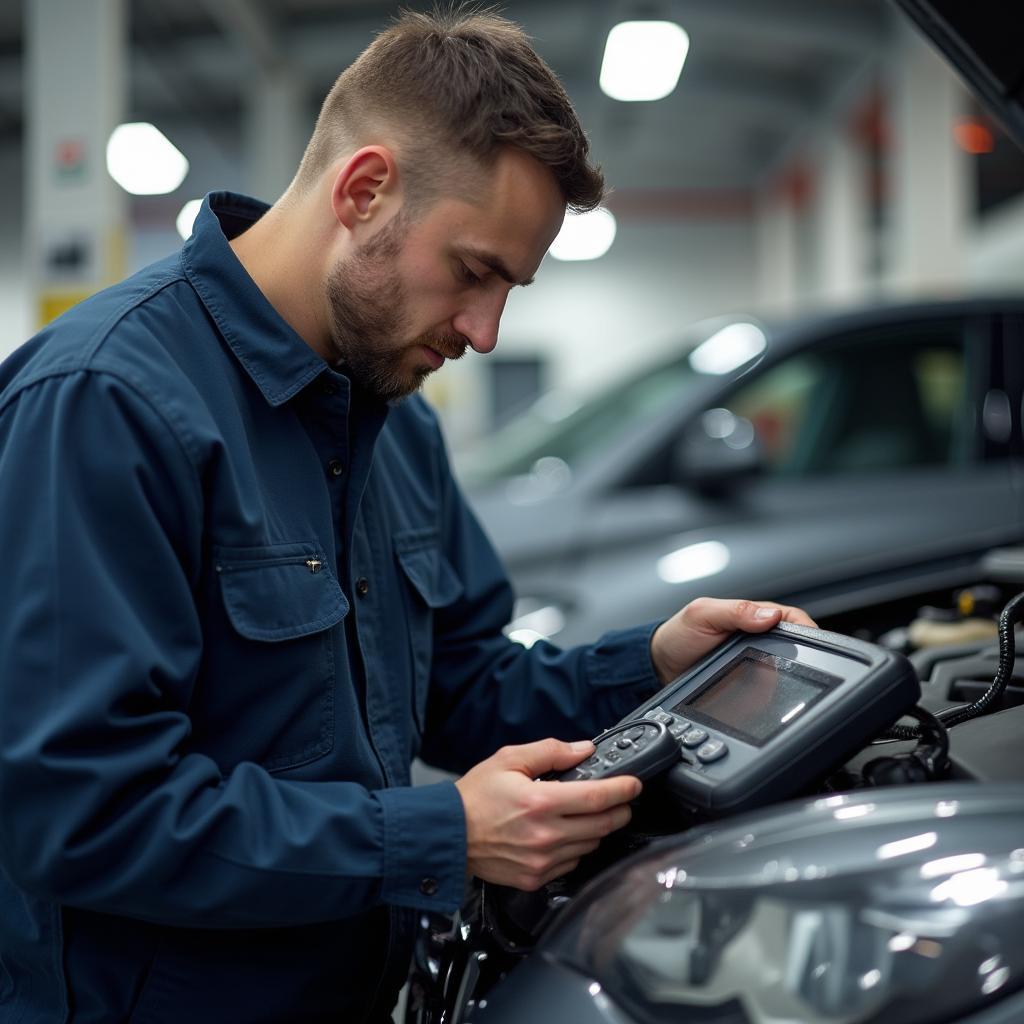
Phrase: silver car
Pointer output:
(838, 463)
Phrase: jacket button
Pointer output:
(329, 388)
(362, 586)
(336, 467)
(428, 886)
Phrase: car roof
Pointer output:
(881, 313)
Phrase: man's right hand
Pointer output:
(522, 833)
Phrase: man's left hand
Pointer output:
(709, 621)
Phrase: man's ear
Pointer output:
(365, 185)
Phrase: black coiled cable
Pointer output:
(1009, 616)
(928, 760)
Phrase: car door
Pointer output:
(885, 469)
(883, 450)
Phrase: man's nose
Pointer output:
(479, 322)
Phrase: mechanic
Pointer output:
(242, 591)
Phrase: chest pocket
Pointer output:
(432, 584)
(271, 680)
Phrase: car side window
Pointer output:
(884, 400)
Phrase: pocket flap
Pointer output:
(279, 592)
(426, 568)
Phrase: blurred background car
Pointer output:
(838, 462)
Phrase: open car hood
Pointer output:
(978, 41)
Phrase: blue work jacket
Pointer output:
(238, 598)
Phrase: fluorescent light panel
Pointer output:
(187, 217)
(643, 60)
(143, 161)
(584, 236)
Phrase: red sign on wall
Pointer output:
(69, 158)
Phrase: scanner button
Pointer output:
(638, 733)
(679, 730)
(694, 737)
(623, 743)
(712, 751)
(612, 757)
(662, 716)
(582, 773)
(591, 761)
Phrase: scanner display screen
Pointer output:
(757, 695)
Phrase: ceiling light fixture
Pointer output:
(187, 217)
(143, 161)
(584, 236)
(643, 60)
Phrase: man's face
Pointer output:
(422, 290)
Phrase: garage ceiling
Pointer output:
(757, 71)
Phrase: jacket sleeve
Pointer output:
(486, 690)
(102, 803)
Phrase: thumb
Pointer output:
(535, 759)
(718, 618)
(757, 617)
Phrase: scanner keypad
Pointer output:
(705, 747)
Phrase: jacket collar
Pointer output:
(280, 363)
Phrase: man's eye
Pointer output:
(467, 275)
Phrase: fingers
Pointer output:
(760, 615)
(792, 614)
(519, 831)
(585, 827)
(720, 617)
(579, 834)
(588, 797)
(535, 759)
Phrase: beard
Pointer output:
(368, 305)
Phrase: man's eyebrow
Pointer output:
(497, 264)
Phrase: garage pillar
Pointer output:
(277, 127)
(841, 217)
(76, 216)
(776, 240)
(929, 174)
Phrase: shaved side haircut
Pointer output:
(448, 90)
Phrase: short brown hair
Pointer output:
(456, 82)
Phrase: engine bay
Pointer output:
(950, 638)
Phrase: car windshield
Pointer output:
(560, 426)
(561, 430)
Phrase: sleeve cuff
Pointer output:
(620, 669)
(424, 847)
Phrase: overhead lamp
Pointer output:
(143, 161)
(187, 217)
(643, 59)
(584, 236)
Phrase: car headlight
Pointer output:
(898, 905)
